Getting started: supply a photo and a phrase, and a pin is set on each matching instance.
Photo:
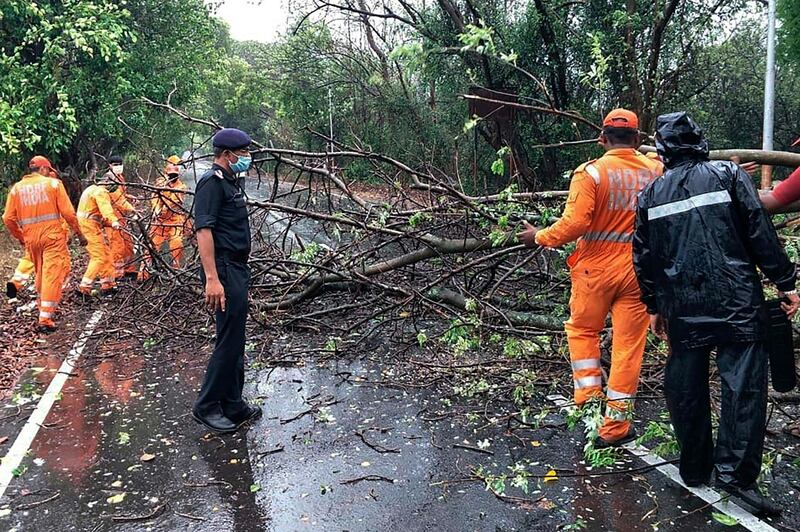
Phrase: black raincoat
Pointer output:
(700, 233)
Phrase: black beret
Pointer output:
(231, 139)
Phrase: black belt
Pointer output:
(234, 256)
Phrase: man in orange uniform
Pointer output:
(169, 216)
(35, 211)
(94, 214)
(120, 240)
(24, 270)
(600, 210)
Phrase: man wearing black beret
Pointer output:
(223, 241)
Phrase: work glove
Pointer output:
(115, 225)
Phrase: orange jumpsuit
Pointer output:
(119, 239)
(600, 210)
(169, 218)
(35, 211)
(94, 213)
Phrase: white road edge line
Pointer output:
(24, 439)
(711, 496)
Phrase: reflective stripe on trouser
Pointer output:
(51, 264)
(595, 292)
(100, 262)
(24, 271)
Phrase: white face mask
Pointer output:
(117, 169)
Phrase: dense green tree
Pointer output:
(73, 72)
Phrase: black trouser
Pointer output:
(224, 379)
(740, 440)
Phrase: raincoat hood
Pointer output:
(679, 138)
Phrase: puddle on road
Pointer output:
(331, 453)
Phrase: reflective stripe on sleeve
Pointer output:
(695, 202)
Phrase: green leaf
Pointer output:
(124, 438)
(254, 488)
(725, 519)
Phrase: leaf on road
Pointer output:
(254, 488)
(124, 438)
(551, 476)
(725, 519)
(147, 457)
(116, 499)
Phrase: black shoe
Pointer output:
(752, 497)
(11, 290)
(109, 292)
(601, 443)
(697, 483)
(215, 422)
(130, 276)
(46, 329)
(251, 413)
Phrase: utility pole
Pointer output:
(769, 97)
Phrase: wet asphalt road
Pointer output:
(332, 452)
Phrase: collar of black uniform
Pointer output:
(227, 174)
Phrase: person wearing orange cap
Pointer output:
(169, 216)
(95, 213)
(600, 214)
(36, 208)
(120, 239)
(24, 270)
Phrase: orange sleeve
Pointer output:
(577, 215)
(10, 216)
(124, 205)
(104, 205)
(66, 209)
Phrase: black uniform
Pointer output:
(219, 204)
(700, 233)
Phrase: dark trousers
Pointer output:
(224, 379)
(740, 439)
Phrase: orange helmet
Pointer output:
(40, 161)
(621, 118)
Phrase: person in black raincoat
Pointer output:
(700, 234)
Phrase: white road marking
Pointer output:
(711, 496)
(23, 442)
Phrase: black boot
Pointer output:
(11, 290)
(752, 497)
(601, 443)
(248, 414)
(215, 422)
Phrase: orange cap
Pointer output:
(796, 143)
(40, 162)
(621, 118)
